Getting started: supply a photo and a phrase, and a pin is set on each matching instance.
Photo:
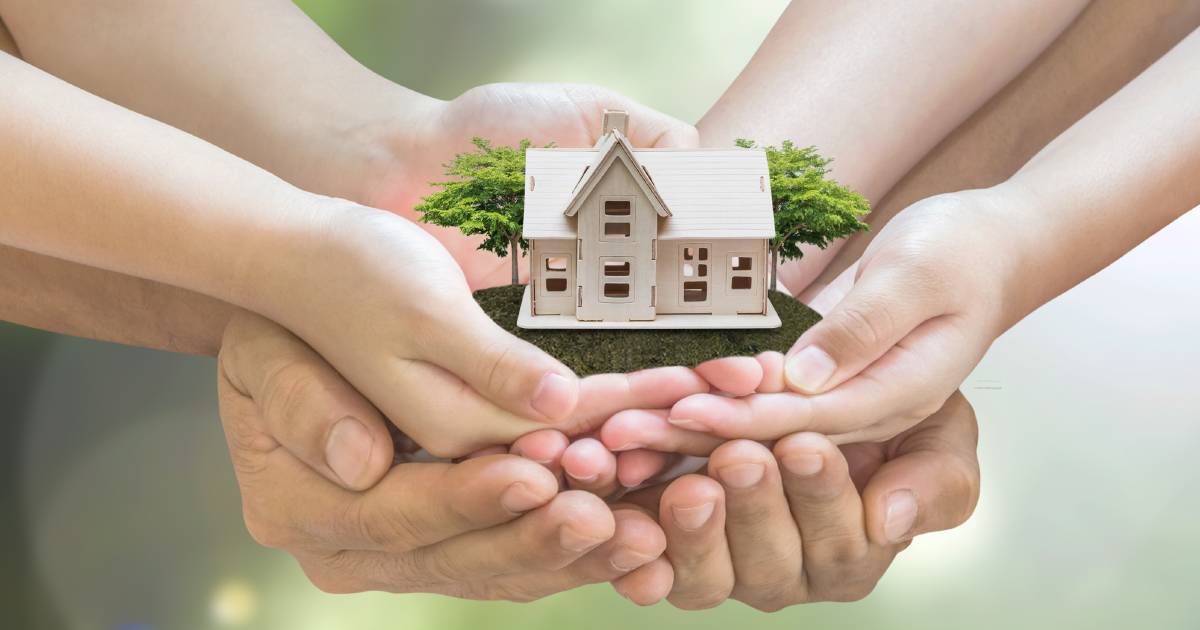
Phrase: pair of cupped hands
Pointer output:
(822, 465)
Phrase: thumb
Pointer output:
(511, 373)
(304, 404)
(880, 309)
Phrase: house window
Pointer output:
(616, 268)
(616, 230)
(741, 276)
(556, 263)
(690, 253)
(695, 291)
(555, 273)
(616, 290)
(617, 219)
(556, 285)
(615, 274)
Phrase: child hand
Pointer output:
(926, 302)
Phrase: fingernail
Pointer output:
(348, 449)
(689, 424)
(625, 559)
(553, 396)
(804, 464)
(587, 479)
(900, 515)
(518, 498)
(742, 475)
(692, 518)
(572, 540)
(808, 370)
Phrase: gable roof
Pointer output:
(706, 193)
(612, 147)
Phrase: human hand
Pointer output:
(807, 521)
(418, 144)
(488, 528)
(901, 330)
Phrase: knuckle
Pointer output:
(433, 564)
(264, 531)
(329, 582)
(700, 600)
(287, 390)
(766, 596)
(863, 328)
(396, 530)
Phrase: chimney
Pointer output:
(614, 120)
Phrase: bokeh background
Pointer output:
(120, 511)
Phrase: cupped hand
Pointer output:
(568, 115)
(313, 460)
(901, 330)
(807, 521)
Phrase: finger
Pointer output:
(931, 482)
(414, 505)
(641, 429)
(590, 467)
(304, 404)
(888, 397)
(764, 542)
(635, 467)
(771, 364)
(509, 372)
(647, 585)
(603, 395)
(545, 447)
(827, 509)
(546, 539)
(734, 375)
(881, 309)
(692, 513)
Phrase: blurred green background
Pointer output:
(122, 512)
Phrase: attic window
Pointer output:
(616, 268)
(616, 230)
(617, 218)
(617, 207)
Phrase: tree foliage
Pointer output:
(809, 207)
(485, 197)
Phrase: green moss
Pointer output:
(600, 351)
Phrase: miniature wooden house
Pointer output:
(621, 237)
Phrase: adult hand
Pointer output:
(313, 460)
(568, 115)
(807, 522)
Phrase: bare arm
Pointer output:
(257, 78)
(875, 85)
(1120, 174)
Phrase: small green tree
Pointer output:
(486, 197)
(809, 207)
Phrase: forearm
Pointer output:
(89, 182)
(73, 299)
(1117, 176)
(876, 85)
(257, 78)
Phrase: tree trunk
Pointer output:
(774, 268)
(514, 248)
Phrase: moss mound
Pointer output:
(601, 351)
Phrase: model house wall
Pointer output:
(619, 234)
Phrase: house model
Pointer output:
(621, 237)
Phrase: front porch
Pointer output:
(526, 320)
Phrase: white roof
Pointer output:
(710, 193)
